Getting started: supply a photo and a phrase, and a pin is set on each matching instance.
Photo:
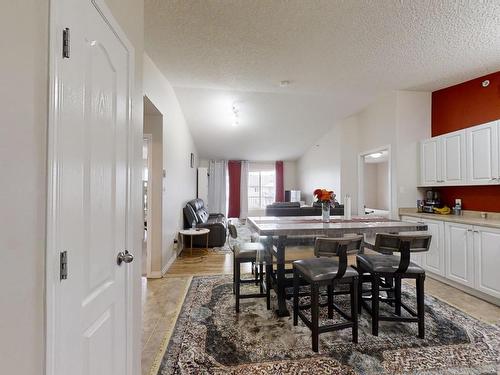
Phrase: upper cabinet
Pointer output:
(482, 154)
(465, 157)
(453, 158)
(429, 161)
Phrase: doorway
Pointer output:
(375, 183)
(153, 188)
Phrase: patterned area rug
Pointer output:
(209, 338)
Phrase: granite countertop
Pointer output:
(468, 217)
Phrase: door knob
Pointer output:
(124, 257)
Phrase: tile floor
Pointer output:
(162, 299)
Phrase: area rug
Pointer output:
(210, 338)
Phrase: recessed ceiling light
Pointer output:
(375, 155)
(285, 83)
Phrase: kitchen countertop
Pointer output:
(468, 217)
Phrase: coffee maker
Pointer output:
(432, 199)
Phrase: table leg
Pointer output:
(280, 277)
(191, 250)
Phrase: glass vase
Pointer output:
(325, 212)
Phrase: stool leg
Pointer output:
(261, 278)
(315, 316)
(354, 309)
(295, 297)
(375, 302)
(397, 295)
(237, 281)
(269, 270)
(254, 267)
(421, 306)
(329, 291)
(360, 292)
(234, 274)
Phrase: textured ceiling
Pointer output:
(338, 55)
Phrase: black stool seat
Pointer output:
(248, 250)
(319, 269)
(385, 263)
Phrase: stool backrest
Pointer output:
(389, 243)
(328, 247)
(404, 244)
(338, 247)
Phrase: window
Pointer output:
(261, 187)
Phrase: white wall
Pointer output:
(23, 147)
(180, 180)
(290, 175)
(23, 131)
(398, 119)
(319, 167)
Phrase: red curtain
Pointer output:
(234, 172)
(280, 186)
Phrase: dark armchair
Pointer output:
(195, 211)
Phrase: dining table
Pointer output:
(278, 232)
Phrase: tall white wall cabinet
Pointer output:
(465, 157)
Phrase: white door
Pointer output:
(487, 260)
(430, 168)
(459, 253)
(87, 333)
(453, 158)
(482, 154)
(433, 260)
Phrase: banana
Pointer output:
(442, 211)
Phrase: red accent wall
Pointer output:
(458, 107)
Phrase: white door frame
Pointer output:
(361, 177)
(52, 296)
(149, 140)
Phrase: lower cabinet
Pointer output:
(466, 254)
(459, 253)
(487, 260)
(433, 260)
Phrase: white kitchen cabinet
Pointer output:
(487, 260)
(482, 154)
(430, 165)
(453, 158)
(432, 260)
(465, 157)
(459, 253)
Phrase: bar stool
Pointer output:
(248, 252)
(325, 271)
(374, 268)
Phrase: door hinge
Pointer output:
(63, 265)
(65, 43)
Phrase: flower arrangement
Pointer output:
(324, 196)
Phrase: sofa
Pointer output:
(294, 209)
(195, 211)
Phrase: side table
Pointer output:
(191, 233)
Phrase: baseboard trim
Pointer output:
(168, 264)
(155, 275)
(466, 289)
